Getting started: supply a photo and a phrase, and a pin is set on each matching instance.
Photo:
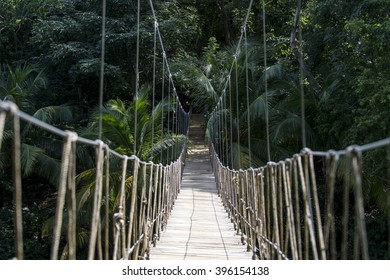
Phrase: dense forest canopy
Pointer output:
(50, 61)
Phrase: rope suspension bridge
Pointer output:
(198, 207)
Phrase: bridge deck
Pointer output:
(199, 227)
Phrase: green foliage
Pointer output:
(35, 247)
(21, 85)
(50, 55)
(350, 44)
(40, 152)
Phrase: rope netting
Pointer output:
(278, 211)
(120, 206)
(310, 206)
(125, 218)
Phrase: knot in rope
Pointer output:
(306, 151)
(271, 164)
(99, 143)
(11, 107)
(71, 136)
(354, 150)
(332, 154)
(118, 220)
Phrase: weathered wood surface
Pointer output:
(199, 227)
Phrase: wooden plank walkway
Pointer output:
(199, 228)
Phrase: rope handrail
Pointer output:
(136, 228)
(277, 208)
(266, 204)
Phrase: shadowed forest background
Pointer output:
(50, 66)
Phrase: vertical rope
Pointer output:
(136, 80)
(308, 210)
(119, 217)
(2, 125)
(155, 205)
(301, 75)
(149, 215)
(72, 207)
(61, 196)
(388, 199)
(231, 120)
(154, 79)
(97, 201)
(247, 95)
(176, 131)
(160, 207)
(255, 204)
(220, 124)
(101, 84)
(262, 214)
(332, 160)
(297, 208)
(107, 206)
(268, 201)
(169, 113)
(279, 192)
(162, 100)
(355, 156)
(173, 123)
(276, 227)
(17, 182)
(141, 214)
(226, 130)
(266, 85)
(316, 205)
(345, 219)
(133, 202)
(237, 112)
(287, 171)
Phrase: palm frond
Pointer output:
(29, 158)
(54, 114)
(166, 144)
(203, 93)
(48, 168)
(285, 127)
(240, 157)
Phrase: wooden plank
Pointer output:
(199, 227)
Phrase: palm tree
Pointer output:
(40, 151)
(153, 138)
(118, 130)
(283, 105)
